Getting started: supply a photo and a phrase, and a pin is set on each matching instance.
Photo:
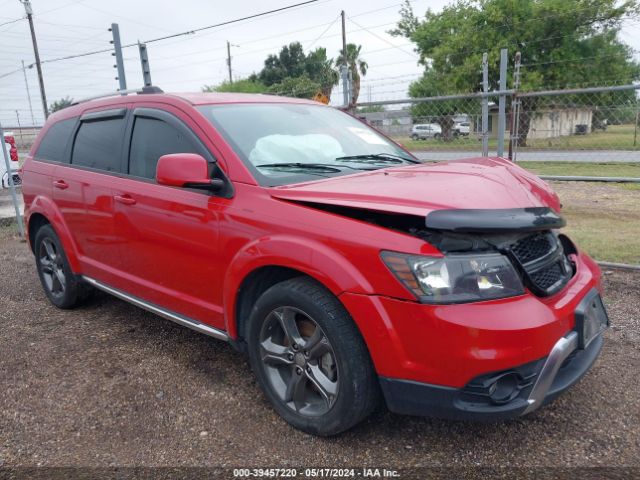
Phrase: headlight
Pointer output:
(455, 278)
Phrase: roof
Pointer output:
(220, 97)
(214, 98)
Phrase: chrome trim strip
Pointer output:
(174, 317)
(560, 351)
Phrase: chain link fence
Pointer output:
(593, 124)
(598, 125)
(583, 135)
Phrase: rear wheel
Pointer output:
(310, 359)
(63, 288)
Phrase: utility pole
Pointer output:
(229, 61)
(117, 47)
(20, 129)
(485, 105)
(515, 110)
(344, 68)
(144, 63)
(29, 11)
(502, 101)
(26, 84)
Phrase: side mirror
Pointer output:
(188, 170)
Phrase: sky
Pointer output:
(68, 27)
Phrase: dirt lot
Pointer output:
(111, 385)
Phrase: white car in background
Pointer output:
(423, 131)
(462, 128)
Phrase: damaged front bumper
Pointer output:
(512, 392)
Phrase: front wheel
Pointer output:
(310, 359)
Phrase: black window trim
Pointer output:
(108, 114)
(175, 122)
(104, 114)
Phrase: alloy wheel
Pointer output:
(52, 268)
(299, 361)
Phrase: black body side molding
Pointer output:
(494, 220)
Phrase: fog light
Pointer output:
(505, 388)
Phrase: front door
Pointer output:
(169, 236)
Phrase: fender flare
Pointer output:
(310, 257)
(48, 209)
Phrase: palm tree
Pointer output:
(357, 66)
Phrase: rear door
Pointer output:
(169, 236)
(83, 188)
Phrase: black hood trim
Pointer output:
(494, 220)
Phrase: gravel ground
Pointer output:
(111, 385)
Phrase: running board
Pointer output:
(174, 317)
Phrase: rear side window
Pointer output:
(150, 140)
(54, 143)
(98, 144)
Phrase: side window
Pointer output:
(98, 144)
(150, 140)
(54, 143)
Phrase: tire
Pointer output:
(415, 137)
(63, 288)
(437, 136)
(319, 376)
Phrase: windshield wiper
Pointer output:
(302, 166)
(377, 158)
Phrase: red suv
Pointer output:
(348, 271)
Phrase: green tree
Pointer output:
(563, 42)
(292, 62)
(357, 65)
(245, 85)
(299, 87)
(321, 69)
(60, 104)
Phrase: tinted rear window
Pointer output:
(98, 144)
(54, 143)
(152, 139)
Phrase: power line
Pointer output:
(189, 32)
(323, 33)
(382, 38)
(11, 21)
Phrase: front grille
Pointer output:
(547, 277)
(543, 263)
(532, 247)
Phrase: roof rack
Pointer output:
(143, 91)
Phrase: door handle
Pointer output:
(125, 199)
(61, 184)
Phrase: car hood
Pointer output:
(479, 183)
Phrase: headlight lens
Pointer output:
(455, 278)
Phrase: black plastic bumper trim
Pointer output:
(494, 220)
(407, 397)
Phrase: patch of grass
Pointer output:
(603, 220)
(616, 137)
(8, 228)
(583, 169)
